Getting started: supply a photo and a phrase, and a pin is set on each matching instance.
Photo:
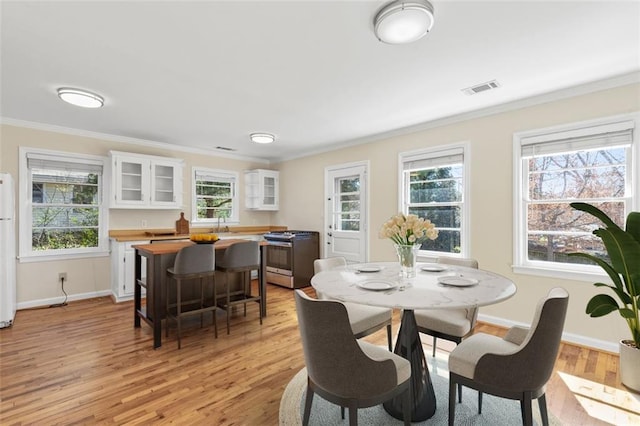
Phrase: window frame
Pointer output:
(26, 252)
(434, 153)
(522, 265)
(235, 203)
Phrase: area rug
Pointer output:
(495, 411)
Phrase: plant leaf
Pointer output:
(627, 313)
(594, 211)
(624, 297)
(600, 305)
(615, 277)
(624, 252)
(633, 225)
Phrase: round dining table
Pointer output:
(435, 286)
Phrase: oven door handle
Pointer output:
(280, 243)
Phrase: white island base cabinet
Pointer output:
(122, 269)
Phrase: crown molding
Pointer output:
(125, 139)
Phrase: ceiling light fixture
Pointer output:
(81, 98)
(262, 137)
(403, 21)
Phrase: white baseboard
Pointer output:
(577, 339)
(57, 300)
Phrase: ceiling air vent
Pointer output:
(489, 85)
(224, 148)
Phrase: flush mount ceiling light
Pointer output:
(403, 21)
(262, 137)
(81, 98)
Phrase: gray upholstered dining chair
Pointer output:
(343, 370)
(242, 257)
(517, 366)
(196, 262)
(448, 324)
(364, 319)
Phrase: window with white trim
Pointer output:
(215, 196)
(62, 210)
(587, 162)
(433, 186)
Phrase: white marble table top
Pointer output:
(422, 292)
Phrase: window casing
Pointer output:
(434, 186)
(594, 162)
(61, 205)
(215, 196)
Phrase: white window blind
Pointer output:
(51, 162)
(427, 160)
(586, 139)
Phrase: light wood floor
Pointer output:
(85, 364)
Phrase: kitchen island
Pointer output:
(160, 256)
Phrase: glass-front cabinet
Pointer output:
(164, 179)
(261, 189)
(144, 181)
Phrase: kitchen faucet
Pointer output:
(226, 228)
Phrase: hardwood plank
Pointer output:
(85, 363)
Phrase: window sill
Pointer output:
(566, 275)
(32, 258)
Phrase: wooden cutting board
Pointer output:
(182, 225)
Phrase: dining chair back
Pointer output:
(192, 263)
(240, 257)
(364, 319)
(327, 263)
(517, 366)
(343, 370)
(448, 324)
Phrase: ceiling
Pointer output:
(206, 74)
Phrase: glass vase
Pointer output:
(407, 256)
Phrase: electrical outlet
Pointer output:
(62, 276)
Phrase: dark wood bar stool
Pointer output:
(242, 257)
(192, 263)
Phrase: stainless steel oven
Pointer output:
(290, 257)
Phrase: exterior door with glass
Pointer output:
(346, 212)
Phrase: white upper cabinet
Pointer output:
(145, 181)
(261, 189)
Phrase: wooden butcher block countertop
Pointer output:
(124, 235)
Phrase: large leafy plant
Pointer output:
(623, 248)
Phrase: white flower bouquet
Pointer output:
(408, 229)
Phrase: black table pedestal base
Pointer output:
(423, 397)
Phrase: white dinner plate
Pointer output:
(457, 281)
(369, 269)
(433, 268)
(376, 285)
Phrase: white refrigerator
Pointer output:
(7, 252)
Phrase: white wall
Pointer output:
(491, 180)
